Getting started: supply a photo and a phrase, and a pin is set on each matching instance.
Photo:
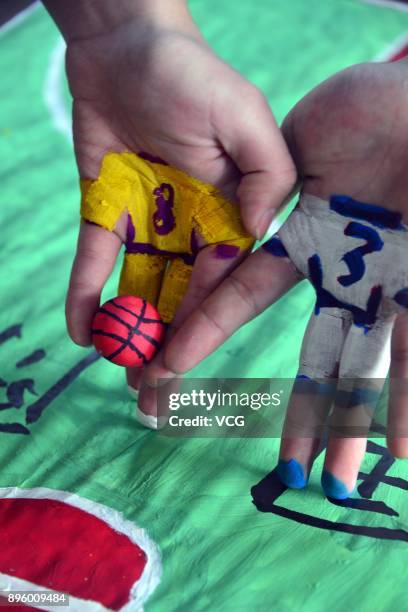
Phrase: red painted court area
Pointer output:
(63, 548)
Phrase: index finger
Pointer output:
(258, 282)
(95, 258)
(397, 430)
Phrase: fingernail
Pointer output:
(264, 223)
(133, 392)
(149, 420)
(292, 474)
(334, 487)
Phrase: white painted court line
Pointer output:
(394, 5)
(393, 48)
(19, 18)
(140, 591)
(52, 91)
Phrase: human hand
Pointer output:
(143, 79)
(347, 136)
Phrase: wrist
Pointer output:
(85, 19)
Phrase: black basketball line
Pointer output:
(116, 317)
(134, 329)
(142, 314)
(124, 344)
(131, 331)
(138, 316)
(101, 332)
(149, 339)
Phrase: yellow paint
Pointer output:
(127, 183)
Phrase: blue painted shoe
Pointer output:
(334, 487)
(292, 474)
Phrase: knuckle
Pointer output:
(198, 291)
(286, 177)
(399, 352)
(244, 293)
(209, 317)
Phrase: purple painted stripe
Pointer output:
(148, 249)
(163, 219)
(152, 158)
(194, 243)
(130, 232)
(226, 251)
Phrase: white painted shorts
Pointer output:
(356, 257)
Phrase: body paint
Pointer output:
(376, 215)
(148, 249)
(163, 218)
(362, 318)
(334, 487)
(275, 247)
(226, 251)
(292, 474)
(354, 259)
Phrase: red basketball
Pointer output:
(127, 331)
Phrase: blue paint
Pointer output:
(361, 318)
(354, 259)
(305, 385)
(357, 397)
(292, 474)
(334, 487)
(275, 247)
(401, 297)
(376, 215)
(316, 278)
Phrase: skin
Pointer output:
(136, 73)
(143, 78)
(349, 135)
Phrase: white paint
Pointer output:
(392, 49)
(12, 584)
(133, 392)
(313, 228)
(52, 91)
(391, 5)
(11, 24)
(141, 590)
(147, 420)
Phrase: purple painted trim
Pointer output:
(152, 158)
(193, 243)
(130, 232)
(226, 251)
(148, 249)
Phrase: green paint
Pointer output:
(192, 495)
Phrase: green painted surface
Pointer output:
(193, 496)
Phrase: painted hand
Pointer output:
(170, 218)
(348, 136)
(151, 87)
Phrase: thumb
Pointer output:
(253, 140)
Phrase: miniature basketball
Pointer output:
(127, 331)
